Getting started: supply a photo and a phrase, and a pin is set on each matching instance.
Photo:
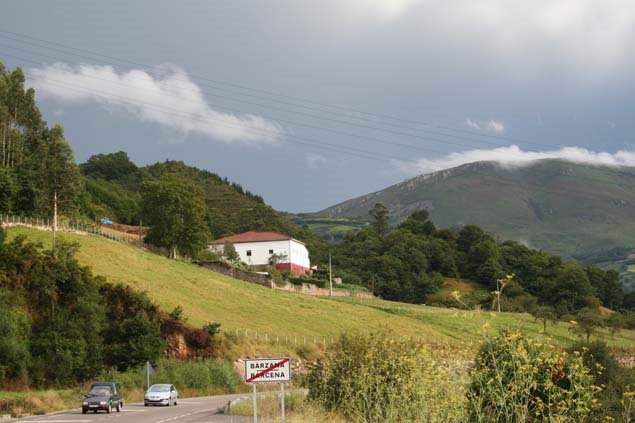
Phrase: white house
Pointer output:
(257, 248)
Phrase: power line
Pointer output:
(297, 139)
(194, 117)
(427, 125)
(290, 122)
(343, 149)
(312, 116)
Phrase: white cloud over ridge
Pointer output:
(489, 126)
(513, 156)
(168, 97)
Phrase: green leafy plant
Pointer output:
(373, 378)
(516, 379)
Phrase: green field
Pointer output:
(207, 296)
(333, 229)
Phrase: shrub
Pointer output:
(614, 380)
(516, 379)
(199, 374)
(371, 378)
(297, 281)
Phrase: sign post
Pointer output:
(268, 370)
(147, 370)
(282, 402)
(255, 404)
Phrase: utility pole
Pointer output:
(54, 218)
(330, 277)
(372, 284)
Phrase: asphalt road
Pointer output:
(189, 410)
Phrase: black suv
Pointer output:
(103, 396)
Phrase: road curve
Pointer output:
(189, 410)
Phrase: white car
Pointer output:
(161, 393)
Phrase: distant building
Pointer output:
(258, 248)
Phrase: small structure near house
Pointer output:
(262, 248)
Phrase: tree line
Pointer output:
(412, 260)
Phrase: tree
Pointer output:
(174, 209)
(615, 323)
(544, 314)
(140, 342)
(572, 288)
(229, 252)
(8, 190)
(212, 328)
(419, 223)
(59, 178)
(380, 215)
(586, 322)
(114, 166)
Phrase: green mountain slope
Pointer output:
(113, 187)
(210, 297)
(575, 210)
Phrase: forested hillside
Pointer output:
(411, 261)
(38, 171)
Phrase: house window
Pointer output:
(248, 253)
(270, 251)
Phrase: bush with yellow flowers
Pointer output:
(376, 379)
(517, 379)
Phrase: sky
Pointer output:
(312, 103)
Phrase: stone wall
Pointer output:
(265, 280)
(241, 274)
(311, 289)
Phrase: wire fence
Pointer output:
(71, 226)
(262, 336)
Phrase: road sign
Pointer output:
(147, 369)
(268, 370)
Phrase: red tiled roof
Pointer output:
(252, 236)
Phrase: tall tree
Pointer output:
(380, 215)
(174, 209)
(59, 178)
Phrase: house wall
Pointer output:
(296, 252)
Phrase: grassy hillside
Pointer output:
(330, 229)
(113, 187)
(564, 208)
(208, 296)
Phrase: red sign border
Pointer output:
(280, 362)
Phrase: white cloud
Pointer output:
(496, 127)
(489, 125)
(314, 160)
(472, 123)
(514, 156)
(585, 38)
(579, 33)
(168, 97)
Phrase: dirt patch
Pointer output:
(127, 229)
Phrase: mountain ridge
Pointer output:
(567, 208)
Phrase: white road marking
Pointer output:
(56, 421)
(187, 415)
(188, 402)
